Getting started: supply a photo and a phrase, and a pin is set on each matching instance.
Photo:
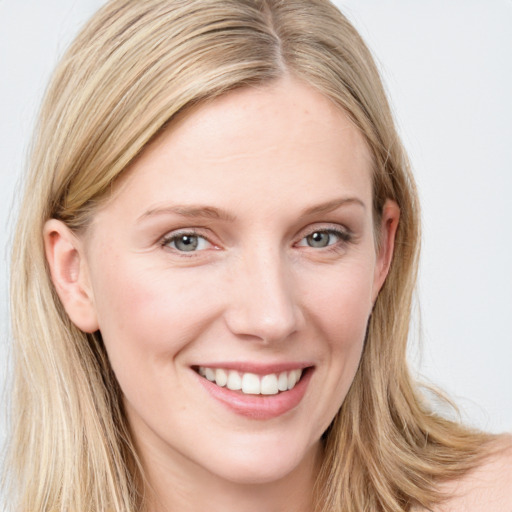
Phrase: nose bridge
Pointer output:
(264, 304)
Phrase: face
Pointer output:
(239, 252)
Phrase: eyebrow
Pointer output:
(330, 206)
(210, 212)
(190, 211)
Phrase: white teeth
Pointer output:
(234, 381)
(269, 385)
(250, 383)
(221, 377)
(282, 382)
(209, 374)
(293, 378)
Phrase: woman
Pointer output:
(213, 274)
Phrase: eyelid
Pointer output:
(345, 236)
(342, 231)
(173, 235)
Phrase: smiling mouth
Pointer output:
(250, 383)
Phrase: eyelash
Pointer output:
(344, 237)
(173, 237)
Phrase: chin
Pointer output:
(259, 464)
(270, 472)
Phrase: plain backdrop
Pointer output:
(447, 65)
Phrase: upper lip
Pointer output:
(256, 368)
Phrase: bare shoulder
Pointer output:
(488, 487)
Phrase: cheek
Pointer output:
(342, 303)
(340, 310)
(147, 315)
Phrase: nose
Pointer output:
(263, 303)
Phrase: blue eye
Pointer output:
(323, 238)
(186, 242)
(319, 239)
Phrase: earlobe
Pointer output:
(69, 274)
(389, 224)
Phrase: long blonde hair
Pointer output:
(132, 69)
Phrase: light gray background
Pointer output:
(447, 67)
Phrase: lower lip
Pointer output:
(259, 407)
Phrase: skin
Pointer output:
(281, 162)
(487, 487)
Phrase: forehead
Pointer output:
(275, 144)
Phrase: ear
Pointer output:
(69, 272)
(388, 227)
